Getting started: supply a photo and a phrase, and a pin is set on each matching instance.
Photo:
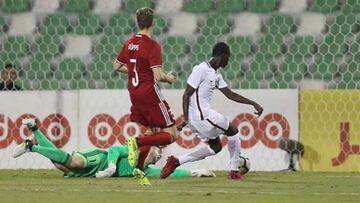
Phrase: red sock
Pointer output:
(158, 138)
(143, 152)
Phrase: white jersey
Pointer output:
(205, 80)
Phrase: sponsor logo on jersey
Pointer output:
(133, 47)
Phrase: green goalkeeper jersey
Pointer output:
(96, 159)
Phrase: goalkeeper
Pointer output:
(94, 161)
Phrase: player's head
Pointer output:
(145, 18)
(153, 156)
(221, 51)
(9, 74)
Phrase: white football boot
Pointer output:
(22, 148)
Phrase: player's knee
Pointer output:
(76, 162)
(231, 131)
(217, 148)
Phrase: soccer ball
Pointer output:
(244, 165)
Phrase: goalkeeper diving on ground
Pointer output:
(95, 162)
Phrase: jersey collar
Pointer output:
(208, 64)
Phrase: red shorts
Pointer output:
(155, 115)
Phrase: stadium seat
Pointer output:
(246, 24)
(249, 84)
(351, 6)
(121, 25)
(3, 25)
(292, 71)
(106, 51)
(354, 50)
(77, 6)
(293, 7)
(48, 45)
(109, 45)
(9, 57)
(325, 6)
(132, 6)
(230, 6)
(334, 45)
(55, 24)
(88, 24)
(45, 6)
(262, 6)
(174, 48)
(169, 6)
(25, 84)
(301, 48)
(201, 50)
(260, 70)
(116, 84)
(160, 25)
(101, 69)
(344, 24)
(295, 65)
(107, 6)
(178, 27)
(323, 70)
(39, 70)
(18, 6)
(353, 70)
(202, 6)
(16, 46)
(50, 84)
(70, 68)
(270, 46)
(77, 46)
(216, 25)
(240, 46)
(22, 24)
(234, 67)
(278, 82)
(280, 24)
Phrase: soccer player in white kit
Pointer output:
(209, 124)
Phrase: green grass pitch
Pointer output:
(48, 186)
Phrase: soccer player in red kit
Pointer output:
(140, 57)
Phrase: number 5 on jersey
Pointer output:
(135, 80)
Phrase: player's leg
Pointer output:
(54, 154)
(40, 138)
(158, 115)
(234, 152)
(144, 151)
(214, 147)
(77, 162)
(47, 149)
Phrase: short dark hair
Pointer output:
(145, 17)
(220, 48)
(9, 65)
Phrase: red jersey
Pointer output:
(141, 53)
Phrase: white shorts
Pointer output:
(213, 125)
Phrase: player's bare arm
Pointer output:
(161, 76)
(120, 67)
(240, 99)
(186, 98)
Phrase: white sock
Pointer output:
(196, 155)
(234, 151)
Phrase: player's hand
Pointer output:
(259, 109)
(181, 126)
(170, 77)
